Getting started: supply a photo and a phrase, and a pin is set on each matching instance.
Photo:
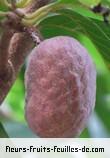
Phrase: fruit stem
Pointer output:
(34, 18)
(23, 3)
(46, 8)
(34, 34)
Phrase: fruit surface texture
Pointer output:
(60, 82)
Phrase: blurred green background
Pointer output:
(12, 109)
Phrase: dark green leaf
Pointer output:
(3, 133)
(71, 23)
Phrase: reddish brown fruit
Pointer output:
(61, 88)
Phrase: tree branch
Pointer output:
(6, 69)
(20, 47)
(4, 46)
(21, 43)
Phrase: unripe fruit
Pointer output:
(61, 88)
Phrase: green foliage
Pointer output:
(3, 133)
(94, 34)
(96, 30)
(16, 98)
(89, 2)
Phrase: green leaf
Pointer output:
(106, 2)
(89, 2)
(18, 130)
(96, 30)
(3, 133)
(68, 1)
(15, 98)
(102, 104)
(4, 5)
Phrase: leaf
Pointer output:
(106, 2)
(102, 105)
(3, 5)
(89, 2)
(18, 130)
(74, 23)
(3, 133)
(96, 127)
(15, 98)
(68, 1)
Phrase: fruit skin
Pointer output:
(61, 87)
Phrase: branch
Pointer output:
(4, 46)
(5, 66)
(20, 45)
